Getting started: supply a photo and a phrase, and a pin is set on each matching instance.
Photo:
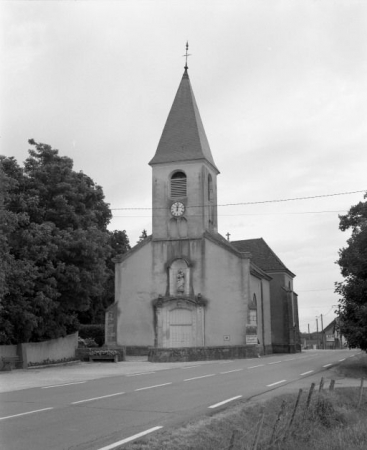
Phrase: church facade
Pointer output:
(185, 286)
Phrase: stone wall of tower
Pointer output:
(200, 201)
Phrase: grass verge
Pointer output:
(331, 421)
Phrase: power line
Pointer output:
(318, 290)
(259, 214)
(242, 204)
(252, 203)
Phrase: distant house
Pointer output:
(331, 337)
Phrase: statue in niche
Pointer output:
(180, 280)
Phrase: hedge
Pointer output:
(95, 331)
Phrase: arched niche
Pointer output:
(179, 278)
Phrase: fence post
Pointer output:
(281, 412)
(231, 442)
(332, 383)
(293, 415)
(321, 384)
(310, 395)
(360, 393)
(257, 437)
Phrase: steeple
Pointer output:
(183, 137)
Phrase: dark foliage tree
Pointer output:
(54, 246)
(353, 290)
(119, 244)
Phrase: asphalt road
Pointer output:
(99, 414)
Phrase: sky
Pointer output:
(282, 91)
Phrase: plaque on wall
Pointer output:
(251, 339)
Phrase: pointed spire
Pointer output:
(183, 137)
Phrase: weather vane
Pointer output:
(186, 54)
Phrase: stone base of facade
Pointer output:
(267, 350)
(185, 354)
(286, 348)
(137, 350)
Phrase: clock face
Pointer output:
(177, 209)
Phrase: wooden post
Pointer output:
(321, 384)
(310, 395)
(231, 442)
(295, 407)
(293, 415)
(332, 383)
(360, 393)
(258, 432)
(281, 412)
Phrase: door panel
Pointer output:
(180, 321)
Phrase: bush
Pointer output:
(95, 332)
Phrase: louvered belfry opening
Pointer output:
(178, 185)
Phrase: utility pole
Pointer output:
(317, 332)
(322, 333)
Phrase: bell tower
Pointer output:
(184, 172)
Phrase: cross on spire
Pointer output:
(186, 55)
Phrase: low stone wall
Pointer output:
(54, 349)
(186, 354)
(42, 352)
(137, 350)
(7, 350)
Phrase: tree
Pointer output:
(119, 244)
(353, 290)
(54, 246)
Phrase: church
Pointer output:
(185, 292)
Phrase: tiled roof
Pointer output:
(183, 137)
(262, 255)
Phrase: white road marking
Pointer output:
(290, 359)
(190, 367)
(203, 376)
(253, 367)
(151, 387)
(278, 382)
(230, 371)
(61, 385)
(225, 401)
(97, 398)
(276, 362)
(340, 360)
(23, 414)
(305, 373)
(226, 362)
(327, 365)
(131, 438)
(137, 374)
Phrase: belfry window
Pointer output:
(178, 185)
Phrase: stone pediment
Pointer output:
(197, 300)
